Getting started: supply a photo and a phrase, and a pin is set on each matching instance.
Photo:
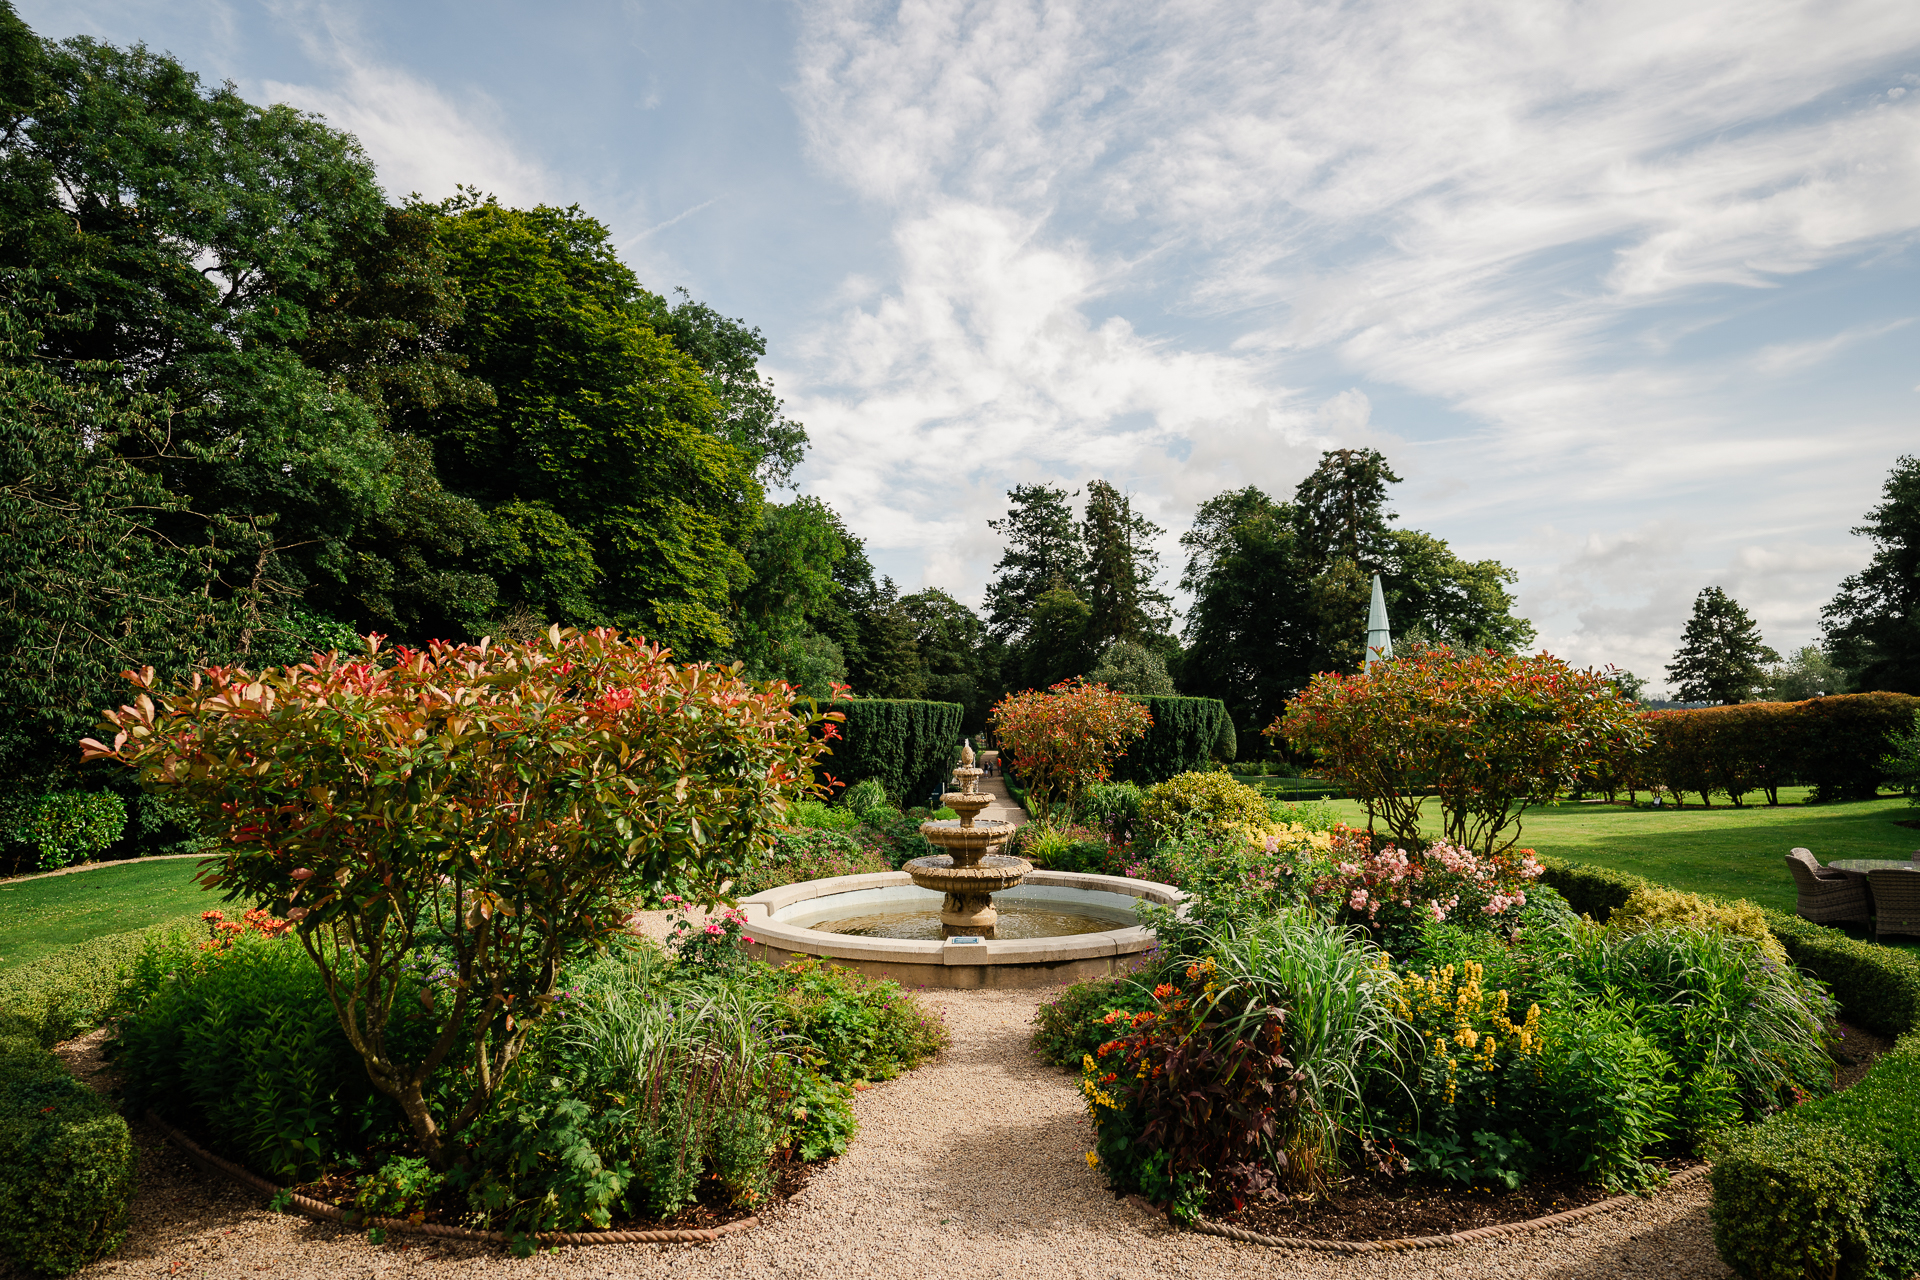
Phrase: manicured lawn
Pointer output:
(41, 916)
(1727, 852)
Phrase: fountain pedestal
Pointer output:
(972, 869)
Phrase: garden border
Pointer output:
(311, 1208)
(1408, 1244)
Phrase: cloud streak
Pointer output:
(1156, 242)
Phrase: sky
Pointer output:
(1626, 292)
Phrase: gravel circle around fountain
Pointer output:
(973, 1165)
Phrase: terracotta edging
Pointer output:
(1498, 1231)
(312, 1208)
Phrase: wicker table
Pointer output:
(1857, 868)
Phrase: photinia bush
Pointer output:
(1487, 733)
(1066, 738)
(501, 802)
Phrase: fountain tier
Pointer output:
(972, 869)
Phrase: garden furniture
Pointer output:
(1827, 895)
(1896, 901)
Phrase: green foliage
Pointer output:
(1203, 804)
(63, 827)
(66, 1165)
(1074, 1023)
(1124, 601)
(1872, 624)
(598, 416)
(501, 801)
(1836, 744)
(291, 1095)
(1654, 907)
(1902, 762)
(400, 1186)
(816, 815)
(73, 990)
(1133, 668)
(1878, 987)
(1610, 1094)
(1114, 807)
(864, 796)
(1844, 738)
(1828, 1188)
(1069, 848)
(907, 746)
(1590, 890)
(1187, 734)
(1807, 672)
(89, 581)
(855, 1028)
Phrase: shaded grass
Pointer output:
(39, 917)
(1723, 851)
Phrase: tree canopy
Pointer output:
(1721, 656)
(1872, 623)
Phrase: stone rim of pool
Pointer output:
(1001, 962)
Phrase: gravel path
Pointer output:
(972, 1166)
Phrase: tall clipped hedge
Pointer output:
(1187, 734)
(1833, 744)
(906, 745)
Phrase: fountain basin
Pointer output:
(778, 920)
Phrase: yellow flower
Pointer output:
(1092, 1159)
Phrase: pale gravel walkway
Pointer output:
(972, 1166)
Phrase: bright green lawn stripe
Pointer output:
(38, 917)
(1723, 851)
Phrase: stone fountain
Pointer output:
(972, 869)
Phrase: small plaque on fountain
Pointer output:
(967, 937)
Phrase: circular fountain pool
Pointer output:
(1081, 926)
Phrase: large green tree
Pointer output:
(598, 418)
(1123, 597)
(1721, 656)
(729, 352)
(243, 261)
(90, 585)
(1043, 553)
(1249, 633)
(959, 661)
(1873, 621)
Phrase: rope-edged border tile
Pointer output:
(309, 1207)
(1408, 1244)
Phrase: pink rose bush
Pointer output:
(1388, 886)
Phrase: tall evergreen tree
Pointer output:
(1341, 511)
(1043, 552)
(1123, 598)
(1721, 655)
(1873, 621)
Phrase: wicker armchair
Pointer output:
(1896, 902)
(1826, 896)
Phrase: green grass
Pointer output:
(39, 917)
(1727, 852)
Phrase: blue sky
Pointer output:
(1626, 292)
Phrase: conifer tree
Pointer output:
(1721, 655)
(1043, 554)
(1122, 566)
(1873, 621)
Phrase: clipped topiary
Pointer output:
(66, 1165)
(1202, 803)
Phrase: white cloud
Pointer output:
(421, 138)
(1500, 210)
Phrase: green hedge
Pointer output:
(66, 1165)
(1833, 744)
(1590, 891)
(1831, 1188)
(1187, 735)
(1878, 987)
(907, 746)
(71, 991)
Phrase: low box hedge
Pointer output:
(66, 1165)
(1878, 987)
(1590, 891)
(1831, 1188)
